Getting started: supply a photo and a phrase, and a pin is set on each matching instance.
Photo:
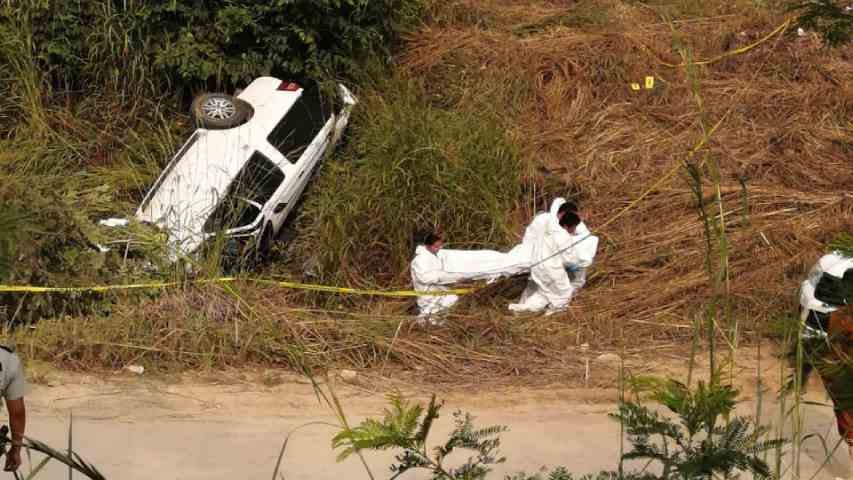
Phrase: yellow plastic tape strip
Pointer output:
(635, 87)
(360, 291)
(780, 29)
(93, 288)
(650, 83)
(282, 284)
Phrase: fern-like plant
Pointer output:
(560, 473)
(406, 427)
(704, 440)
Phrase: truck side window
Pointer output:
(257, 181)
(300, 124)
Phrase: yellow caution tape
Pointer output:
(92, 288)
(281, 284)
(361, 291)
(781, 28)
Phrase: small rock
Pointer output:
(137, 369)
(608, 358)
(348, 375)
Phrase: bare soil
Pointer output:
(225, 425)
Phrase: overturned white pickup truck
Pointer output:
(242, 171)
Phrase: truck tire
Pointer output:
(218, 111)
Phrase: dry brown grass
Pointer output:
(564, 92)
(214, 327)
(558, 73)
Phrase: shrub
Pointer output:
(184, 43)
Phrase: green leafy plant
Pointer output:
(704, 440)
(560, 473)
(217, 42)
(406, 427)
(829, 18)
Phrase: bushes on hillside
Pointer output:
(185, 43)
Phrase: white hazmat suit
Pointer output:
(557, 262)
(585, 245)
(547, 249)
(428, 275)
(833, 264)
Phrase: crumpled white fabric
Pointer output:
(114, 222)
(486, 265)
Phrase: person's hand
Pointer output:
(13, 459)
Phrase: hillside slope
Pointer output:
(559, 74)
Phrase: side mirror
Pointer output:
(280, 208)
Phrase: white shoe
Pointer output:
(517, 307)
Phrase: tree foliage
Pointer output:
(182, 43)
(9, 234)
(705, 441)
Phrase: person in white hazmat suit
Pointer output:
(490, 265)
(429, 275)
(585, 245)
(814, 313)
(552, 248)
(828, 288)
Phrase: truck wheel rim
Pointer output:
(218, 108)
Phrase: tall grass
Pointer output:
(704, 172)
(409, 163)
(66, 160)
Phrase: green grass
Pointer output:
(408, 164)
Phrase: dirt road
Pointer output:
(231, 425)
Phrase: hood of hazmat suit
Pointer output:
(833, 264)
(814, 312)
